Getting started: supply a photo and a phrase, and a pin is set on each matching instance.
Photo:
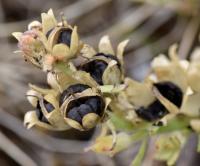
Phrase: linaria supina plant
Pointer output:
(96, 91)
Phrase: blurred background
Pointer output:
(151, 25)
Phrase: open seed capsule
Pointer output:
(47, 113)
(156, 109)
(98, 65)
(104, 66)
(62, 38)
(82, 106)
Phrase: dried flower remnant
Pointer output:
(45, 43)
(47, 112)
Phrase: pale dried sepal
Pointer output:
(61, 51)
(85, 78)
(168, 105)
(74, 124)
(191, 105)
(195, 124)
(112, 74)
(194, 76)
(120, 50)
(105, 46)
(57, 120)
(48, 21)
(195, 56)
(74, 45)
(64, 80)
(168, 146)
(160, 61)
(42, 90)
(87, 51)
(34, 24)
(33, 97)
(17, 35)
(104, 144)
(174, 73)
(139, 94)
(112, 88)
(173, 53)
(31, 119)
(52, 81)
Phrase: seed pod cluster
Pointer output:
(78, 106)
(104, 66)
(82, 106)
(82, 79)
(45, 43)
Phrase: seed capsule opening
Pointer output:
(65, 36)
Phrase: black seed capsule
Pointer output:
(65, 37)
(156, 110)
(96, 69)
(76, 88)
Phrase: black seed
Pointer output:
(65, 37)
(112, 57)
(48, 106)
(158, 123)
(170, 91)
(49, 32)
(87, 105)
(84, 109)
(96, 104)
(153, 112)
(95, 68)
(40, 114)
(74, 115)
(76, 88)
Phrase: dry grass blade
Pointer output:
(15, 152)
(38, 138)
